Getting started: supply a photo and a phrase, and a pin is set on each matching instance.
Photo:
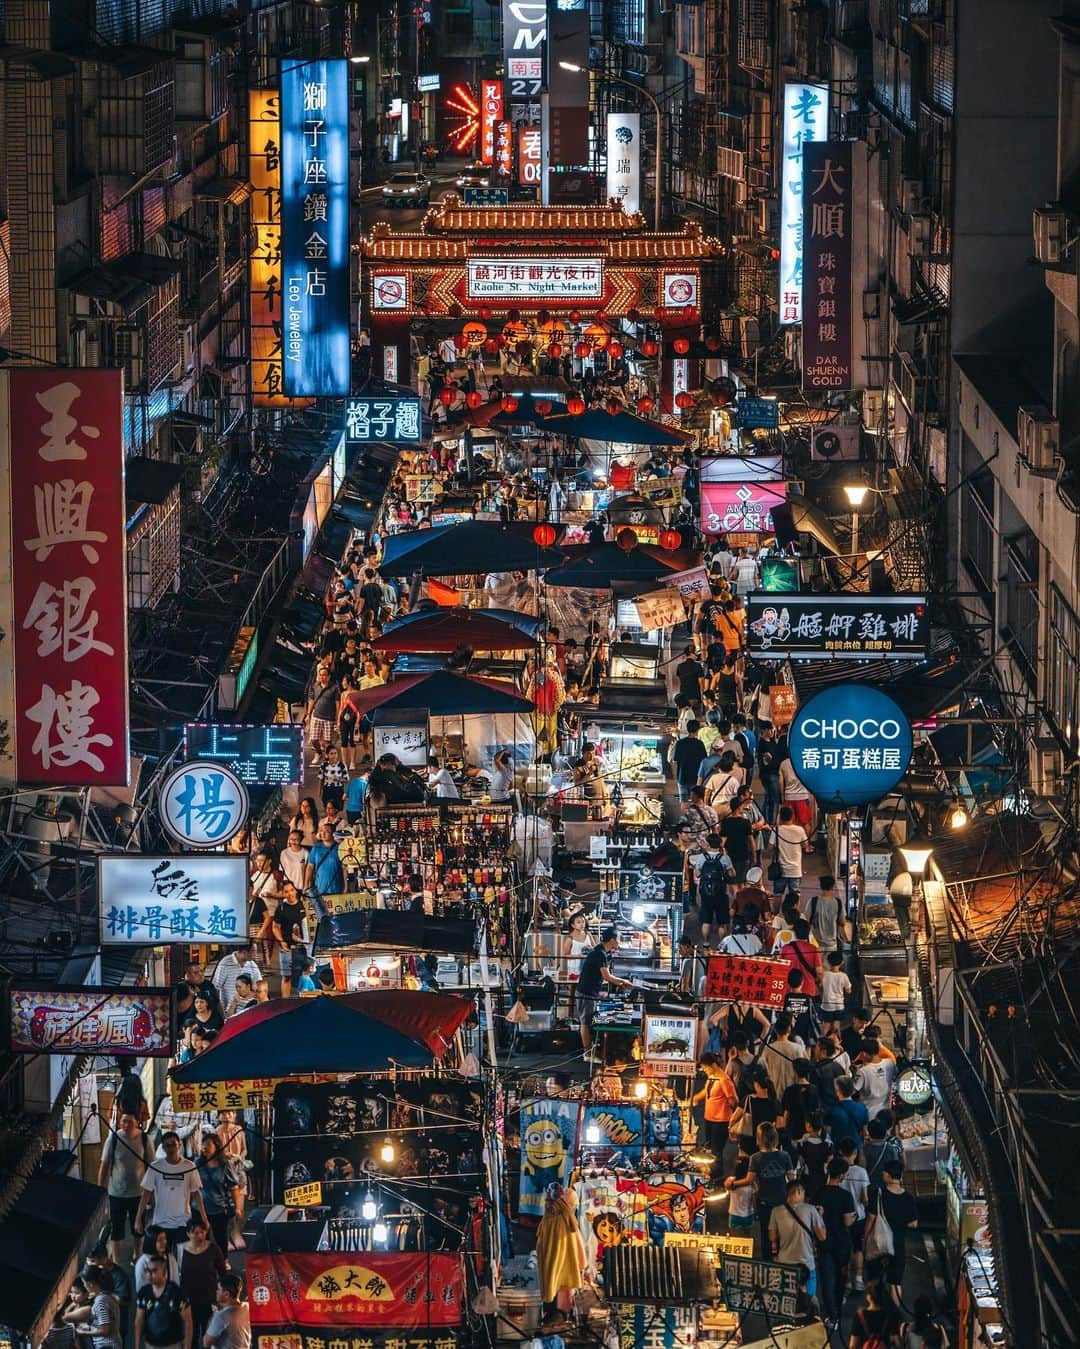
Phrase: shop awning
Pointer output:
(465, 549)
(440, 694)
(52, 1226)
(596, 567)
(445, 629)
(621, 428)
(128, 282)
(395, 930)
(365, 1032)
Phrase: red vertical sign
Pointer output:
(62, 439)
(826, 299)
(530, 144)
(491, 111)
(504, 148)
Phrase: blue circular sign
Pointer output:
(850, 745)
(203, 804)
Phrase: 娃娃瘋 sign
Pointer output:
(850, 745)
(203, 804)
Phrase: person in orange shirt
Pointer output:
(720, 1098)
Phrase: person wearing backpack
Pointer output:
(713, 904)
(162, 1312)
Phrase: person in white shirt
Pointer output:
(229, 968)
(440, 779)
(500, 588)
(156, 1243)
(743, 941)
(791, 842)
(744, 573)
(874, 1077)
(173, 1185)
(293, 859)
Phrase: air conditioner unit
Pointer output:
(1050, 231)
(769, 219)
(730, 163)
(1045, 770)
(912, 197)
(1038, 433)
(920, 233)
(92, 347)
(873, 408)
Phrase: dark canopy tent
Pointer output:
(441, 694)
(396, 930)
(621, 427)
(444, 629)
(595, 567)
(633, 509)
(365, 1032)
(464, 549)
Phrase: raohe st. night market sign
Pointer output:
(845, 627)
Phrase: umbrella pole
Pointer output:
(414, 589)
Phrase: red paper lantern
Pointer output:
(484, 312)
(575, 316)
(614, 406)
(447, 395)
(615, 350)
(670, 539)
(684, 400)
(544, 536)
(491, 347)
(681, 345)
(650, 349)
(460, 341)
(555, 351)
(645, 406)
(627, 540)
(474, 399)
(575, 406)
(509, 403)
(543, 406)
(581, 349)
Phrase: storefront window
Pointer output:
(1063, 670)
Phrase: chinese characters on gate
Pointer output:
(315, 227)
(63, 449)
(146, 901)
(844, 626)
(390, 419)
(806, 119)
(536, 279)
(827, 216)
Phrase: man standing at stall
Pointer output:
(595, 973)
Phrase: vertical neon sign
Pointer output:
(806, 118)
(315, 227)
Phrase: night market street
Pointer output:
(541, 675)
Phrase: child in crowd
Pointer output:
(835, 990)
(741, 1200)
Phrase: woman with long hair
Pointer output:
(306, 821)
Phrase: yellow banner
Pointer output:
(707, 1241)
(247, 1094)
(802, 1337)
(351, 902)
(303, 1196)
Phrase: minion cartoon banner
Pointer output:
(549, 1132)
(613, 1134)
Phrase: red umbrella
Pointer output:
(447, 629)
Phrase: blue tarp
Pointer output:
(464, 549)
(621, 427)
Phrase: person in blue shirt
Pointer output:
(306, 983)
(356, 794)
(848, 1118)
(324, 873)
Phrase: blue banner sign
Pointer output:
(392, 419)
(763, 413)
(485, 196)
(850, 745)
(315, 228)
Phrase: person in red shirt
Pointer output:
(801, 954)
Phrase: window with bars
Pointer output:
(1063, 670)
(977, 532)
(1019, 603)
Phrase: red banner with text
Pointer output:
(363, 1288)
(763, 983)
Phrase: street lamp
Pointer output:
(916, 852)
(618, 79)
(359, 60)
(856, 493)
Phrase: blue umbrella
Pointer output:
(621, 427)
(464, 549)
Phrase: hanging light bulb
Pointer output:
(592, 1133)
(641, 1090)
(380, 1232)
(958, 817)
(387, 1153)
(369, 1209)
(637, 914)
